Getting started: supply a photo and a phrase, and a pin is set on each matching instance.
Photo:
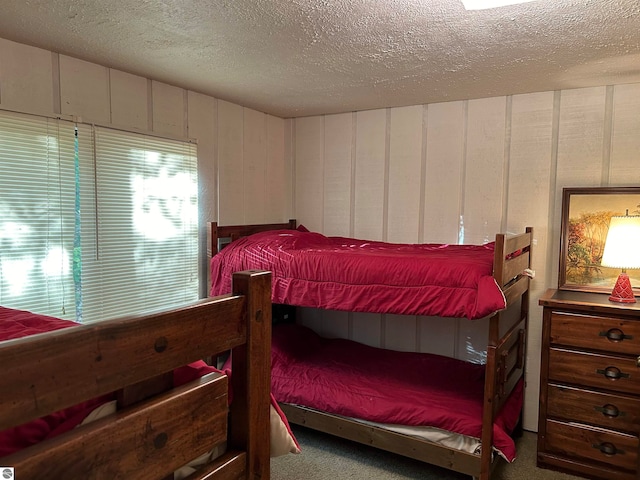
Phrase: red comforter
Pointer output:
(336, 273)
(355, 380)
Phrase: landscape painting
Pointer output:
(586, 213)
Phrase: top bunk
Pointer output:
(338, 273)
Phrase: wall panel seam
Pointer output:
(292, 149)
(387, 161)
(150, 105)
(265, 183)
(508, 113)
(185, 112)
(555, 137)
(55, 78)
(244, 179)
(216, 173)
(423, 173)
(463, 170)
(352, 194)
(323, 134)
(607, 136)
(109, 95)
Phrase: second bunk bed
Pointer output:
(443, 411)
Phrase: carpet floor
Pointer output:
(325, 457)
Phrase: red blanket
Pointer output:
(336, 273)
(355, 380)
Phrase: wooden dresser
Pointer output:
(589, 421)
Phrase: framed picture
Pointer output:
(586, 213)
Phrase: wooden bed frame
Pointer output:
(157, 429)
(505, 364)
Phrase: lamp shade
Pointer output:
(622, 247)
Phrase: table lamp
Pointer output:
(622, 250)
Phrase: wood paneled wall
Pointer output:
(240, 148)
(459, 172)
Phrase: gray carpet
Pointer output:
(325, 457)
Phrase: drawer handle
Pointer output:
(610, 411)
(615, 335)
(608, 449)
(612, 373)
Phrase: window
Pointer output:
(95, 222)
(36, 223)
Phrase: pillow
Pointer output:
(282, 439)
(302, 228)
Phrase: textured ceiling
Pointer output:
(305, 57)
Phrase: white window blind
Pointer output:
(140, 246)
(122, 204)
(37, 214)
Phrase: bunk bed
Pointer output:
(322, 384)
(158, 409)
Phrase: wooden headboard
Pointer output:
(218, 236)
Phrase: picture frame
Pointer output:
(586, 213)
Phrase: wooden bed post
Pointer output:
(500, 346)
(251, 381)
(491, 368)
(489, 398)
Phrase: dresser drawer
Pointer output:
(596, 333)
(595, 370)
(615, 412)
(592, 444)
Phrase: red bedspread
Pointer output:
(336, 273)
(355, 380)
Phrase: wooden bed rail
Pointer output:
(150, 423)
(516, 288)
(512, 256)
(71, 365)
(511, 356)
(156, 435)
(414, 447)
(232, 465)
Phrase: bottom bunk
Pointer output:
(420, 405)
(132, 398)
